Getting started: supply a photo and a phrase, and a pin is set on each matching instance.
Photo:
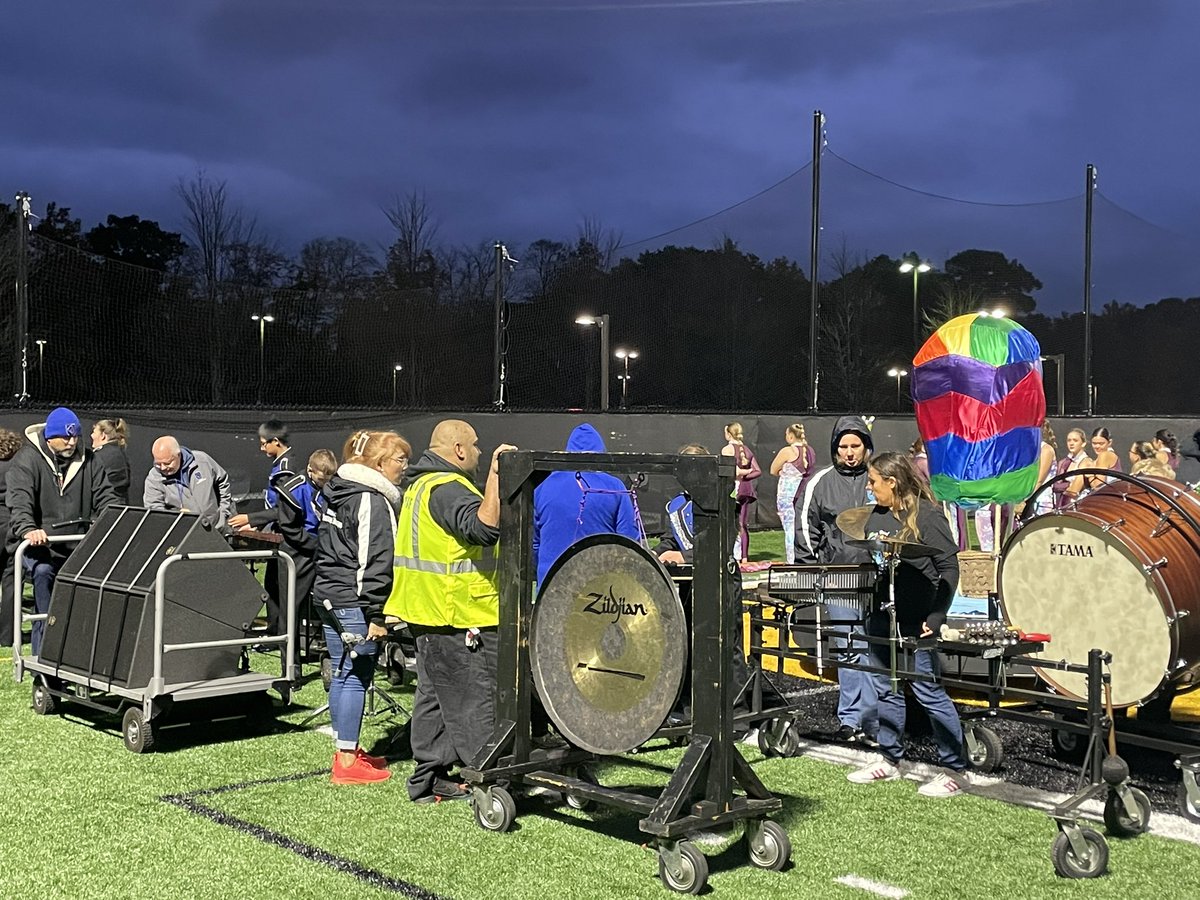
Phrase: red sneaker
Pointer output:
(379, 762)
(358, 772)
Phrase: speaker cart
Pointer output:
(606, 647)
(150, 614)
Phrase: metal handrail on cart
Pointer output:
(158, 693)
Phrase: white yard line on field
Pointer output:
(878, 888)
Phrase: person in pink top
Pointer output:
(793, 466)
(747, 471)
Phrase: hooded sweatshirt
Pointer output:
(832, 490)
(357, 540)
(568, 506)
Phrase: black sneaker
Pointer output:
(866, 740)
(847, 734)
(444, 791)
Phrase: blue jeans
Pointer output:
(857, 697)
(40, 569)
(351, 676)
(947, 729)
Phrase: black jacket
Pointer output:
(357, 541)
(43, 490)
(830, 491)
(115, 460)
(452, 506)
(924, 585)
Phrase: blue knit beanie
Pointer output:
(62, 423)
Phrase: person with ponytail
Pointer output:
(793, 466)
(108, 443)
(924, 589)
(747, 471)
(1166, 446)
(355, 544)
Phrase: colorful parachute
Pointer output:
(977, 389)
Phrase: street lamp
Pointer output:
(918, 267)
(41, 342)
(998, 313)
(396, 370)
(600, 322)
(626, 355)
(1059, 359)
(262, 321)
(897, 374)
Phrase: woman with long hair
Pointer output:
(924, 589)
(1144, 460)
(747, 471)
(108, 444)
(355, 547)
(793, 466)
(1047, 460)
(1166, 447)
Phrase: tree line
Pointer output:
(131, 313)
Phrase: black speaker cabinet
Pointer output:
(101, 618)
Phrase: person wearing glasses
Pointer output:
(52, 479)
(273, 441)
(186, 480)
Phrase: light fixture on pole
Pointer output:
(625, 355)
(262, 320)
(600, 322)
(41, 345)
(918, 267)
(897, 373)
(396, 370)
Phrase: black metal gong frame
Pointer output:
(701, 792)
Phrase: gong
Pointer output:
(608, 644)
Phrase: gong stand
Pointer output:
(701, 790)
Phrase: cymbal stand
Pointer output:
(892, 556)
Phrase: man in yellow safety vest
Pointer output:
(445, 588)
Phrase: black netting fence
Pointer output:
(717, 311)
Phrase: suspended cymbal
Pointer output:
(853, 521)
(608, 644)
(892, 545)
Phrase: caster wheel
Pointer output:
(1117, 819)
(693, 870)
(769, 845)
(1189, 810)
(1068, 746)
(137, 733)
(495, 809)
(44, 702)
(988, 751)
(583, 804)
(326, 672)
(1068, 865)
(778, 737)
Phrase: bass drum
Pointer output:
(1118, 571)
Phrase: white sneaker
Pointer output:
(880, 771)
(945, 785)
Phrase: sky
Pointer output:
(518, 119)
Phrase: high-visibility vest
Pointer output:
(439, 580)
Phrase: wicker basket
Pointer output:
(976, 573)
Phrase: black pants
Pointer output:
(6, 598)
(454, 708)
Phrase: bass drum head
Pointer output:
(608, 644)
(1065, 576)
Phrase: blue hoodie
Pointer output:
(558, 521)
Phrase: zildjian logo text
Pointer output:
(611, 605)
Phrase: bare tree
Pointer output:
(605, 241)
(845, 360)
(416, 231)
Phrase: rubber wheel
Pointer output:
(1117, 819)
(44, 702)
(1186, 808)
(1068, 746)
(137, 733)
(326, 672)
(778, 737)
(693, 875)
(497, 811)
(583, 804)
(770, 848)
(989, 750)
(1068, 865)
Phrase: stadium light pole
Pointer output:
(262, 321)
(918, 267)
(396, 370)
(41, 345)
(897, 373)
(600, 322)
(625, 355)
